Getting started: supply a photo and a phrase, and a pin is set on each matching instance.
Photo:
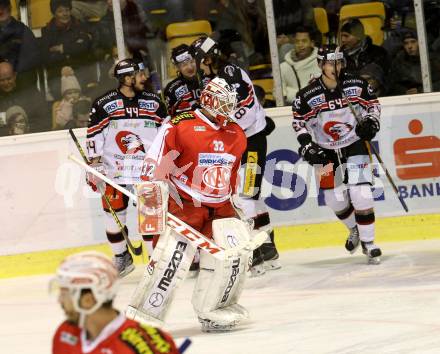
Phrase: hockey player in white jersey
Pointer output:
(334, 140)
(123, 123)
(252, 119)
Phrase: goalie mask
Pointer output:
(219, 100)
(92, 271)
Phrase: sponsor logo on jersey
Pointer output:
(113, 124)
(149, 105)
(173, 265)
(217, 177)
(131, 124)
(68, 338)
(110, 95)
(135, 339)
(129, 143)
(113, 106)
(209, 159)
(337, 130)
(316, 100)
(182, 116)
(314, 89)
(199, 128)
(149, 124)
(180, 91)
(352, 91)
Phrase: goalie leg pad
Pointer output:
(220, 283)
(152, 207)
(167, 269)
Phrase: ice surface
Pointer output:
(321, 301)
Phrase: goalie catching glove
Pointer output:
(312, 152)
(367, 128)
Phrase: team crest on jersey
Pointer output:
(337, 130)
(112, 106)
(217, 177)
(148, 105)
(182, 116)
(316, 100)
(352, 91)
(181, 91)
(129, 143)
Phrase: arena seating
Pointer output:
(321, 20)
(372, 16)
(39, 13)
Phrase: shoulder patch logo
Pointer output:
(229, 69)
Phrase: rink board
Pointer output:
(46, 206)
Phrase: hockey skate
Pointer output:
(270, 256)
(124, 263)
(257, 268)
(353, 240)
(223, 319)
(372, 252)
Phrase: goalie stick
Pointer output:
(136, 250)
(183, 229)
(370, 147)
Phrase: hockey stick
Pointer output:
(370, 147)
(183, 229)
(135, 250)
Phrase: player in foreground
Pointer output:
(88, 283)
(252, 119)
(183, 93)
(198, 153)
(123, 123)
(333, 117)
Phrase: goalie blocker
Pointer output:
(218, 287)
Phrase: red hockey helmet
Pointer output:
(219, 99)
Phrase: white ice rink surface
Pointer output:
(321, 301)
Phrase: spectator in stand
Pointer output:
(406, 75)
(374, 74)
(290, 14)
(18, 45)
(16, 122)
(359, 48)
(300, 64)
(27, 97)
(66, 42)
(81, 114)
(71, 93)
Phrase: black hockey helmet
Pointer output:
(204, 47)
(181, 54)
(125, 67)
(330, 52)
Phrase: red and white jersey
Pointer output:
(66, 339)
(120, 336)
(121, 130)
(198, 157)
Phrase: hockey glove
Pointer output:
(367, 128)
(314, 154)
(94, 182)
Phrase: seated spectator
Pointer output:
(292, 14)
(66, 42)
(375, 76)
(81, 114)
(18, 45)
(285, 45)
(261, 95)
(300, 64)
(27, 97)
(16, 122)
(71, 93)
(406, 75)
(360, 49)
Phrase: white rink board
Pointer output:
(46, 204)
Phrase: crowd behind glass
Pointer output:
(49, 76)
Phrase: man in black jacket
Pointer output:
(359, 48)
(18, 44)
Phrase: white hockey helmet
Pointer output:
(219, 99)
(92, 271)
